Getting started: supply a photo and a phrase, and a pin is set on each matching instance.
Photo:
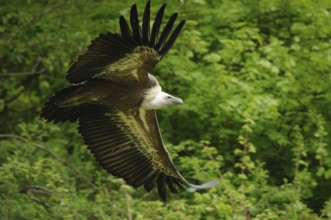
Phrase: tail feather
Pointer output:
(193, 188)
(203, 186)
(52, 112)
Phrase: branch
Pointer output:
(13, 136)
(31, 75)
(247, 214)
(127, 201)
(14, 98)
(48, 11)
(25, 73)
(211, 157)
(35, 189)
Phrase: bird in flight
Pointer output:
(113, 97)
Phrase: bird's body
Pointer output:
(113, 97)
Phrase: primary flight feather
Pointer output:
(113, 97)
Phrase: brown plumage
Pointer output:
(113, 97)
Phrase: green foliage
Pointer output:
(255, 79)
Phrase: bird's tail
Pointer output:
(53, 111)
(193, 188)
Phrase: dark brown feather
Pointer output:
(172, 39)
(53, 113)
(103, 51)
(118, 151)
(166, 31)
(150, 182)
(156, 26)
(142, 177)
(135, 24)
(170, 184)
(126, 33)
(145, 25)
(111, 50)
(161, 186)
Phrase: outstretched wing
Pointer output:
(129, 146)
(129, 56)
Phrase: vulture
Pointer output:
(113, 97)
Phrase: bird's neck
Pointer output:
(154, 98)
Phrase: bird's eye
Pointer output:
(168, 97)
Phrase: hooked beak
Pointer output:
(177, 101)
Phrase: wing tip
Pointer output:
(163, 6)
(134, 6)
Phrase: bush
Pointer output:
(255, 79)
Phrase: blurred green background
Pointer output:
(255, 77)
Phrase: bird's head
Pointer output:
(166, 100)
(162, 100)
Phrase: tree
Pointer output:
(254, 77)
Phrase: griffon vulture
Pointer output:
(113, 97)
